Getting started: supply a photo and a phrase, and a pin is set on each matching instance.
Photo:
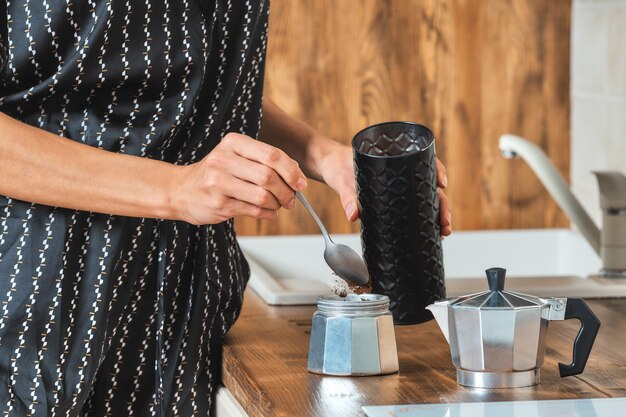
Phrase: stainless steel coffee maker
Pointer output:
(498, 338)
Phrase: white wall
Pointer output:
(598, 74)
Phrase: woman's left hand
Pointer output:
(337, 170)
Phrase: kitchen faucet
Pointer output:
(610, 243)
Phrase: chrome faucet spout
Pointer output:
(512, 146)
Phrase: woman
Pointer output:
(126, 150)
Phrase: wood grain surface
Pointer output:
(265, 360)
(471, 70)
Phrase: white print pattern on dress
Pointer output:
(55, 304)
(16, 271)
(185, 78)
(221, 71)
(3, 234)
(168, 63)
(29, 311)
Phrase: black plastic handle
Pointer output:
(576, 308)
(495, 278)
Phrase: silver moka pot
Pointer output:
(498, 338)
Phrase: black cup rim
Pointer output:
(392, 156)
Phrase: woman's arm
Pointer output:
(328, 161)
(299, 140)
(321, 158)
(41, 167)
(240, 177)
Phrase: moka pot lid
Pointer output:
(497, 297)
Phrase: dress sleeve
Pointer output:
(4, 47)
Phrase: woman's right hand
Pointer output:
(240, 177)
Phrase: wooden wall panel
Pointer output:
(469, 69)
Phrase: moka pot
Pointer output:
(498, 338)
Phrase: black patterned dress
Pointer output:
(106, 315)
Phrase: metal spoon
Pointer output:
(346, 263)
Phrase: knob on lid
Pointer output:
(495, 278)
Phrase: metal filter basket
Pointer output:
(353, 336)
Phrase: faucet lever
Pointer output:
(612, 186)
(613, 242)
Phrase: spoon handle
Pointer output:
(313, 214)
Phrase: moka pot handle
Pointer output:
(576, 308)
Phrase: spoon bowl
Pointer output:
(346, 263)
(343, 260)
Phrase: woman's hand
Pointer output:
(337, 170)
(445, 215)
(240, 177)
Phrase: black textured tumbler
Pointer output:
(397, 188)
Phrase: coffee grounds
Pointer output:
(341, 290)
(361, 289)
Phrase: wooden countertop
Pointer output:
(265, 366)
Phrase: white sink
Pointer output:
(289, 270)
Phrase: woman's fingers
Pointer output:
(351, 208)
(349, 201)
(241, 177)
(265, 179)
(337, 170)
(234, 207)
(269, 156)
(251, 193)
(445, 216)
(442, 174)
